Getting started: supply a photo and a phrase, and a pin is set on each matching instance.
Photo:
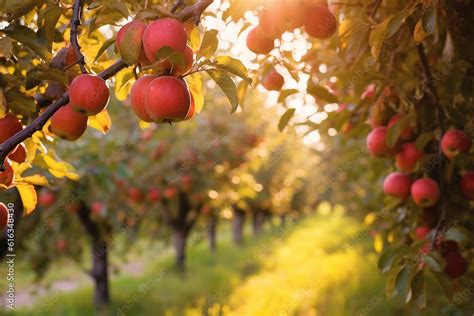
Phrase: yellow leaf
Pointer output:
(28, 197)
(30, 149)
(419, 34)
(144, 125)
(123, 83)
(195, 86)
(378, 243)
(101, 122)
(3, 104)
(60, 169)
(194, 38)
(36, 180)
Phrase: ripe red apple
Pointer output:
(369, 92)
(192, 109)
(167, 99)
(154, 195)
(455, 142)
(165, 32)
(170, 192)
(456, 265)
(137, 97)
(397, 185)
(130, 41)
(186, 182)
(376, 142)
(181, 69)
(3, 216)
(9, 126)
(97, 207)
(88, 94)
(61, 245)
(467, 185)
(425, 192)
(18, 155)
(408, 157)
(272, 19)
(407, 133)
(320, 22)
(73, 207)
(259, 42)
(273, 81)
(135, 195)
(421, 232)
(7, 176)
(68, 124)
(46, 198)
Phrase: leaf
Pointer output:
(123, 83)
(285, 94)
(448, 51)
(322, 93)
(51, 15)
(6, 47)
(36, 180)
(233, 66)
(285, 118)
(227, 85)
(195, 86)
(394, 131)
(430, 20)
(208, 45)
(20, 103)
(242, 91)
(387, 259)
(418, 289)
(28, 196)
(27, 37)
(391, 280)
(59, 169)
(377, 37)
(101, 122)
(402, 283)
(104, 47)
(458, 234)
(423, 140)
(49, 74)
(445, 283)
(419, 34)
(12, 9)
(434, 262)
(194, 38)
(3, 104)
(397, 21)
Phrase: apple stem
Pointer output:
(75, 23)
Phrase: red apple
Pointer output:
(369, 92)
(456, 265)
(135, 195)
(448, 246)
(97, 207)
(467, 185)
(9, 126)
(376, 142)
(455, 142)
(165, 32)
(61, 245)
(272, 19)
(137, 97)
(320, 22)
(273, 81)
(88, 94)
(407, 133)
(425, 192)
(130, 41)
(421, 232)
(170, 192)
(397, 185)
(154, 195)
(3, 216)
(408, 157)
(7, 176)
(186, 182)
(259, 42)
(46, 198)
(181, 69)
(68, 124)
(167, 99)
(192, 109)
(19, 154)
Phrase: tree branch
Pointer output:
(41, 120)
(177, 5)
(195, 10)
(76, 21)
(375, 8)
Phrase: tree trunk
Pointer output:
(179, 243)
(211, 233)
(100, 273)
(257, 221)
(238, 226)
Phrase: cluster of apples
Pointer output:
(164, 97)
(287, 15)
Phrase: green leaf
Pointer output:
(434, 262)
(387, 259)
(285, 119)
(391, 280)
(208, 45)
(12, 9)
(227, 85)
(322, 93)
(49, 74)
(20, 103)
(458, 234)
(445, 283)
(285, 94)
(403, 281)
(418, 289)
(51, 16)
(424, 140)
(377, 37)
(397, 21)
(233, 66)
(104, 47)
(27, 37)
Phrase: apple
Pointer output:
(88, 94)
(68, 124)
(455, 142)
(272, 19)
(421, 232)
(407, 133)
(167, 99)
(320, 22)
(273, 81)
(61, 245)
(137, 97)
(456, 265)
(369, 92)
(425, 192)
(180, 69)
(46, 198)
(170, 192)
(97, 207)
(397, 185)
(7, 176)
(259, 42)
(186, 182)
(408, 157)
(192, 109)
(376, 142)
(135, 195)
(129, 41)
(165, 32)
(18, 155)
(9, 126)
(448, 246)
(73, 207)
(154, 195)
(4, 214)
(467, 185)
(295, 15)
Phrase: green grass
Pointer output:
(307, 269)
